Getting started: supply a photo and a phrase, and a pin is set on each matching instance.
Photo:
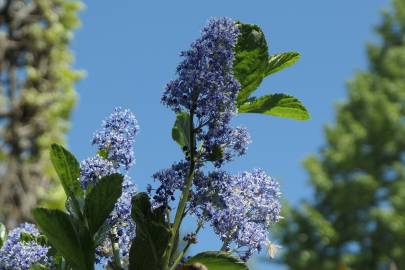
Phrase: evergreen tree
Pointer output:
(356, 219)
(36, 98)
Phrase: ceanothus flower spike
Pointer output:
(115, 142)
(117, 137)
(19, 255)
(240, 208)
(207, 89)
(93, 169)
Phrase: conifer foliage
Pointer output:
(356, 219)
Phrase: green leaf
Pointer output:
(100, 201)
(216, 154)
(152, 235)
(26, 237)
(251, 59)
(70, 239)
(252, 62)
(103, 153)
(181, 130)
(102, 233)
(38, 267)
(74, 207)
(175, 251)
(218, 261)
(277, 105)
(68, 169)
(280, 61)
(3, 234)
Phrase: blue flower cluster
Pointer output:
(171, 180)
(94, 168)
(116, 140)
(21, 255)
(240, 208)
(117, 137)
(207, 89)
(205, 82)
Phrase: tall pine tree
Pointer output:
(356, 219)
(36, 97)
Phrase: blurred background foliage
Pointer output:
(356, 218)
(36, 98)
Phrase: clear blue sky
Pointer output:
(130, 50)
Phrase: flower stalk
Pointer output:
(183, 199)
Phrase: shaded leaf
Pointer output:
(218, 261)
(280, 61)
(216, 154)
(26, 237)
(277, 105)
(152, 235)
(73, 207)
(100, 201)
(102, 233)
(71, 240)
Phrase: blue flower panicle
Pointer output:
(207, 89)
(240, 208)
(205, 83)
(115, 141)
(122, 209)
(232, 141)
(117, 137)
(21, 255)
(94, 168)
(171, 180)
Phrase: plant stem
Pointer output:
(116, 251)
(225, 245)
(180, 256)
(183, 199)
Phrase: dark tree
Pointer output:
(356, 219)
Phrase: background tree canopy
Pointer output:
(356, 219)
(36, 97)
